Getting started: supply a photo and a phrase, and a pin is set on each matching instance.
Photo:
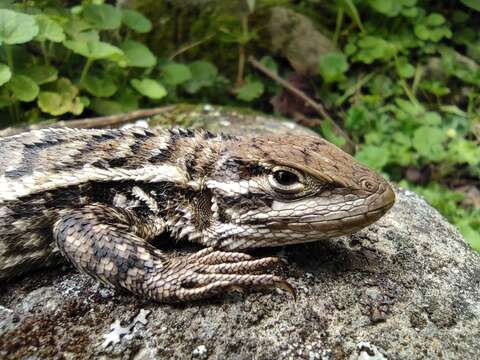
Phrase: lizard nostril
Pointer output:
(369, 185)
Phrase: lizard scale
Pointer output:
(98, 197)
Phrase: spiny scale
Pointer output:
(99, 196)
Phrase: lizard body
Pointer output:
(99, 196)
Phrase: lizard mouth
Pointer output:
(339, 223)
(316, 225)
(384, 200)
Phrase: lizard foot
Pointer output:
(210, 272)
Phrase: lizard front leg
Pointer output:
(109, 244)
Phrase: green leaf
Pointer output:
(5, 74)
(332, 66)
(471, 235)
(41, 74)
(329, 133)
(422, 31)
(102, 16)
(438, 34)
(90, 35)
(382, 6)
(428, 141)
(402, 139)
(269, 63)
(126, 101)
(16, 28)
(93, 49)
(375, 157)
(453, 109)
(106, 106)
(99, 86)
(404, 68)
(49, 29)
(433, 28)
(176, 74)
(410, 12)
(136, 21)
(435, 87)
(250, 91)
(473, 4)
(137, 54)
(5, 98)
(23, 88)
(464, 151)
(60, 97)
(57, 104)
(435, 19)
(431, 118)
(373, 48)
(51, 103)
(410, 108)
(203, 75)
(149, 88)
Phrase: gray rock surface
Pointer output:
(407, 287)
(296, 38)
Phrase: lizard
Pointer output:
(98, 197)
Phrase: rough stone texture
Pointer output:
(295, 37)
(407, 287)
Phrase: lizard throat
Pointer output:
(284, 223)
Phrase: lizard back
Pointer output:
(45, 172)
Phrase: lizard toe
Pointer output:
(243, 267)
(219, 257)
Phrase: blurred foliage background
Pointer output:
(397, 81)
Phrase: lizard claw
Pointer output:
(285, 285)
(209, 273)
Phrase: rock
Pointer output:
(295, 37)
(407, 287)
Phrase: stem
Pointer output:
(13, 108)
(8, 51)
(241, 65)
(300, 94)
(241, 50)
(16, 107)
(409, 92)
(11, 111)
(417, 78)
(470, 105)
(338, 26)
(44, 53)
(96, 122)
(85, 70)
(189, 46)
(355, 88)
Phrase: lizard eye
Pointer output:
(286, 180)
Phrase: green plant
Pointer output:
(90, 61)
(403, 82)
(414, 113)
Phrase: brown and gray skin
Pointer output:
(100, 196)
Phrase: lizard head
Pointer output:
(270, 191)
